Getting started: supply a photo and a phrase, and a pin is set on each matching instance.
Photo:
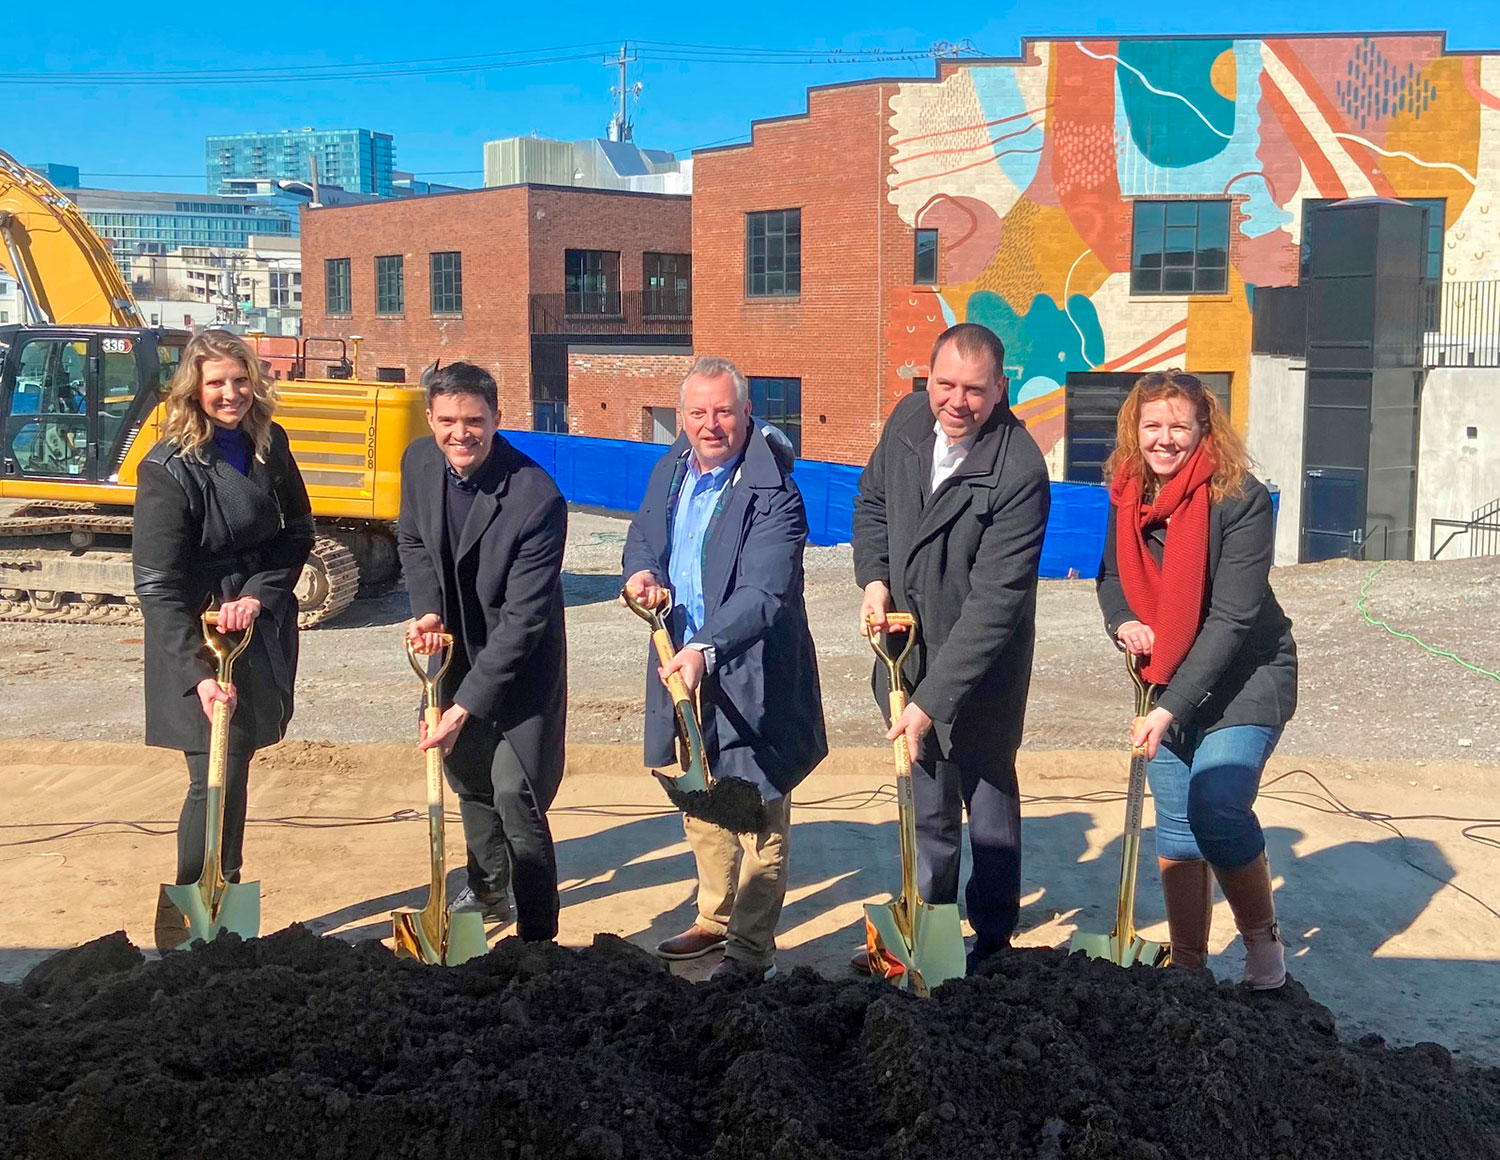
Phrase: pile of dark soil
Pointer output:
(296, 1046)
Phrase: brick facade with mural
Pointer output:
(1107, 206)
(378, 259)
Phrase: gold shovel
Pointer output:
(200, 910)
(432, 934)
(1123, 946)
(911, 942)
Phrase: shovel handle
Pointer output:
(664, 653)
(900, 747)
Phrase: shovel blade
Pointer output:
(1121, 952)
(416, 934)
(932, 955)
(183, 916)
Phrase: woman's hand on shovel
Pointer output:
(236, 615)
(210, 691)
(1149, 730)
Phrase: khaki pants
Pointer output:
(742, 882)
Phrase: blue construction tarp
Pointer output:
(612, 474)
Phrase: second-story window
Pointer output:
(773, 254)
(336, 271)
(925, 262)
(390, 284)
(592, 281)
(668, 283)
(1180, 247)
(448, 282)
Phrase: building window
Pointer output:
(919, 383)
(337, 272)
(448, 282)
(773, 254)
(1181, 247)
(925, 263)
(591, 281)
(668, 281)
(281, 289)
(779, 403)
(549, 402)
(390, 284)
(390, 374)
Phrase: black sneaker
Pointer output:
(495, 909)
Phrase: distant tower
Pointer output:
(620, 126)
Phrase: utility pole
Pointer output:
(620, 128)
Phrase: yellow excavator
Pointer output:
(82, 383)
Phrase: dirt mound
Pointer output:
(52, 978)
(298, 1046)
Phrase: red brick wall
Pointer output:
(512, 241)
(608, 394)
(832, 164)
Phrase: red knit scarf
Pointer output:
(1168, 598)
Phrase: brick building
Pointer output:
(578, 301)
(1107, 206)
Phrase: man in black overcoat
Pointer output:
(948, 525)
(481, 536)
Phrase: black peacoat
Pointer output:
(1242, 668)
(506, 614)
(964, 560)
(204, 532)
(762, 708)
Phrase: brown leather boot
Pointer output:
(1248, 892)
(1188, 888)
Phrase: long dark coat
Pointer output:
(1242, 669)
(205, 532)
(964, 560)
(762, 707)
(511, 667)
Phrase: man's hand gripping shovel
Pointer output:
(1123, 946)
(911, 942)
(200, 910)
(433, 934)
(733, 803)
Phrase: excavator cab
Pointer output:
(74, 400)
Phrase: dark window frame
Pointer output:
(447, 283)
(777, 400)
(390, 285)
(667, 284)
(773, 253)
(1169, 255)
(338, 291)
(587, 275)
(924, 262)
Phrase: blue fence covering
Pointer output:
(612, 474)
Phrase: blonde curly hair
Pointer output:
(186, 424)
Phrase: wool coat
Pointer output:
(964, 560)
(1242, 668)
(205, 533)
(761, 705)
(505, 604)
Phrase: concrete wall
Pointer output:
(1278, 394)
(1457, 472)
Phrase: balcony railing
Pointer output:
(613, 312)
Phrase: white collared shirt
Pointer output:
(946, 456)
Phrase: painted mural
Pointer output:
(1028, 172)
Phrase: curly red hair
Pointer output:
(1231, 459)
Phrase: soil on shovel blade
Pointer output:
(295, 1046)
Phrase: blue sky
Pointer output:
(441, 121)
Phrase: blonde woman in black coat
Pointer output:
(221, 518)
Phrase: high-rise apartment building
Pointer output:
(358, 160)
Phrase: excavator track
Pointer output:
(53, 569)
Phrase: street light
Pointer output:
(288, 183)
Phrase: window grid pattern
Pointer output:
(337, 276)
(773, 254)
(390, 284)
(447, 282)
(1180, 247)
(778, 401)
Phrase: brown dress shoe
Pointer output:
(739, 969)
(693, 943)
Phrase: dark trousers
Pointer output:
(192, 824)
(505, 829)
(942, 790)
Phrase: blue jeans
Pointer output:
(1205, 786)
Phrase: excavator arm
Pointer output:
(42, 230)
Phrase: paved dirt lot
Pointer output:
(1364, 693)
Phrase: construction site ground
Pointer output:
(1393, 925)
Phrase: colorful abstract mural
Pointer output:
(1029, 172)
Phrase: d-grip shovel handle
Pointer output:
(682, 700)
(226, 651)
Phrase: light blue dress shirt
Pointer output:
(695, 508)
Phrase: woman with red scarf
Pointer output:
(1184, 584)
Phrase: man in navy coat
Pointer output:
(722, 529)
